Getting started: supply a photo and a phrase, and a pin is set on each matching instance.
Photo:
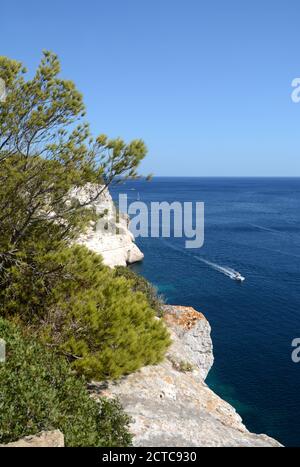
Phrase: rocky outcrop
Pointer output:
(192, 331)
(110, 236)
(45, 439)
(170, 404)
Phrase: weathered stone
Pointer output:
(170, 407)
(115, 243)
(45, 439)
(191, 331)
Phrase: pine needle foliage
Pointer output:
(46, 149)
(87, 313)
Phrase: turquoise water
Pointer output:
(252, 226)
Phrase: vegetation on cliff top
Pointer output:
(45, 150)
(91, 318)
(87, 313)
(40, 392)
(140, 284)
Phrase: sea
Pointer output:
(251, 225)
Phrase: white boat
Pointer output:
(238, 277)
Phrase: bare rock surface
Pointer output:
(110, 237)
(45, 439)
(191, 331)
(170, 404)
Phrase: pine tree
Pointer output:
(87, 314)
(45, 150)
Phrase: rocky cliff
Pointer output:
(44, 439)
(110, 236)
(170, 404)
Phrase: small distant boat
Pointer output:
(238, 277)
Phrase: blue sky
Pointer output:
(206, 84)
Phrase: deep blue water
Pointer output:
(253, 226)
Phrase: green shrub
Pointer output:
(40, 392)
(185, 367)
(87, 313)
(140, 284)
(46, 149)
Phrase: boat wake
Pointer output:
(229, 272)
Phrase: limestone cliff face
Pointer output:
(170, 404)
(115, 242)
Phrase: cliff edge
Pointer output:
(110, 237)
(170, 404)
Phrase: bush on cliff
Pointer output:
(87, 313)
(140, 284)
(39, 392)
(46, 149)
(64, 296)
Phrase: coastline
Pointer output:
(170, 404)
(196, 349)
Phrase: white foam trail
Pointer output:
(229, 272)
(224, 270)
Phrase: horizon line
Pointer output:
(221, 176)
